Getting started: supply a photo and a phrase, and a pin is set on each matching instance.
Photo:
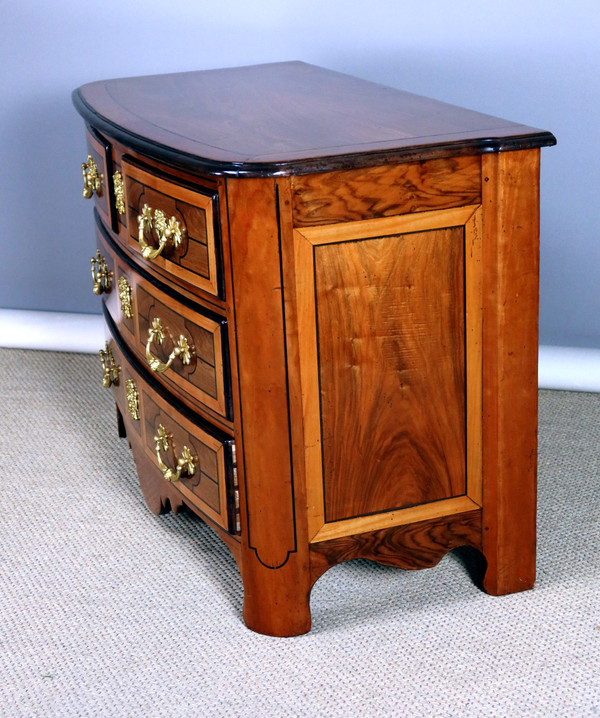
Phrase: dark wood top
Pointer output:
(287, 118)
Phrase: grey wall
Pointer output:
(532, 61)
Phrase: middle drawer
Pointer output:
(184, 346)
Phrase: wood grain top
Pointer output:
(287, 118)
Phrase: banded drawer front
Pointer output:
(197, 463)
(97, 176)
(184, 347)
(172, 227)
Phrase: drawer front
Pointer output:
(97, 173)
(198, 463)
(184, 347)
(174, 228)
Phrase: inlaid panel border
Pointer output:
(305, 240)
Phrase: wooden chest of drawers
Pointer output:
(321, 307)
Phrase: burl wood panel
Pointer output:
(391, 345)
(195, 259)
(386, 190)
(418, 545)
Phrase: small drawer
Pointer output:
(98, 180)
(183, 345)
(196, 460)
(173, 226)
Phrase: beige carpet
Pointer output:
(107, 610)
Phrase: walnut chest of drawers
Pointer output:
(321, 306)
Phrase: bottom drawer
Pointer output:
(199, 464)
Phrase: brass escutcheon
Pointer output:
(125, 297)
(133, 399)
(119, 188)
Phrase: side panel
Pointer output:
(390, 353)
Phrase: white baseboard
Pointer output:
(568, 368)
(56, 331)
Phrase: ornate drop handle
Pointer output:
(101, 274)
(166, 231)
(92, 179)
(181, 350)
(110, 368)
(186, 464)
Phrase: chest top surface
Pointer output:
(288, 118)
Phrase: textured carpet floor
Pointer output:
(107, 610)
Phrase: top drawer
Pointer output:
(174, 227)
(97, 175)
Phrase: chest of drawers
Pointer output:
(321, 306)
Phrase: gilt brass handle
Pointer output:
(181, 350)
(186, 464)
(92, 179)
(101, 274)
(110, 369)
(167, 231)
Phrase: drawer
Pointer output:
(98, 180)
(183, 345)
(173, 227)
(193, 458)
